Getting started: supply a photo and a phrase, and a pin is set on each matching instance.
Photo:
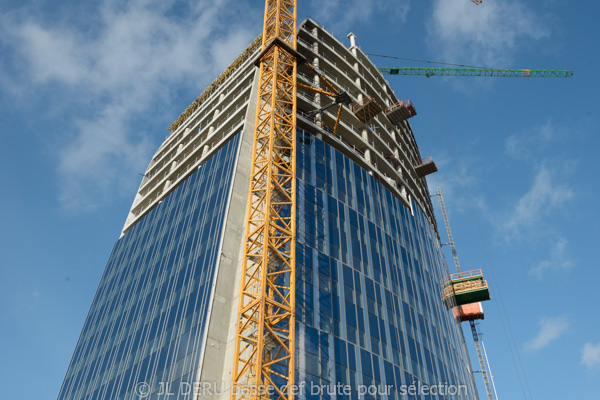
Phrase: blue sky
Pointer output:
(87, 91)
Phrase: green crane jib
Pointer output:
(504, 73)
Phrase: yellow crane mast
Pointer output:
(264, 346)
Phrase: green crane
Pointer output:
(505, 73)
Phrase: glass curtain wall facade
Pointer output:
(368, 302)
(148, 320)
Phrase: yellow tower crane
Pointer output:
(264, 346)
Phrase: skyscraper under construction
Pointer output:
(369, 316)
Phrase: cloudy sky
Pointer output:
(87, 91)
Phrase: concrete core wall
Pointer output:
(219, 354)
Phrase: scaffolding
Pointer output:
(425, 167)
(366, 109)
(401, 111)
(250, 50)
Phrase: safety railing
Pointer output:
(462, 275)
(423, 161)
(251, 49)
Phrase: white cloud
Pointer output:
(486, 35)
(122, 65)
(590, 355)
(558, 261)
(341, 16)
(542, 197)
(456, 182)
(52, 54)
(551, 328)
(100, 158)
(524, 145)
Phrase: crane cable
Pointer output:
(426, 61)
(482, 247)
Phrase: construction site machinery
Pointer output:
(401, 111)
(366, 109)
(425, 167)
(265, 341)
(490, 72)
(464, 288)
(463, 292)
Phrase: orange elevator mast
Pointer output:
(264, 346)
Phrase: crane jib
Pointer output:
(491, 72)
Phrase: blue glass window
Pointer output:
(386, 306)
